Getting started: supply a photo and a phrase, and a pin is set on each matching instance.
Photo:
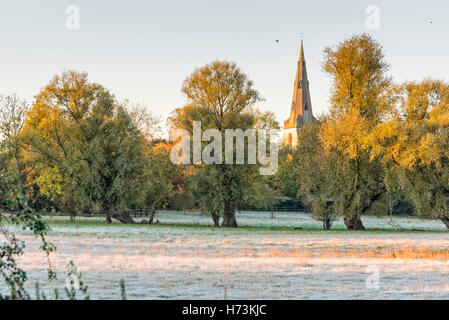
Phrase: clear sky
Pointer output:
(143, 50)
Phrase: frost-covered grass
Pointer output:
(184, 258)
(261, 221)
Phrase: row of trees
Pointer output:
(79, 149)
(381, 142)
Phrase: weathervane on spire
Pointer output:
(302, 36)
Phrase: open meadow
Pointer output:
(185, 258)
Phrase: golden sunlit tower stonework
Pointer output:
(301, 110)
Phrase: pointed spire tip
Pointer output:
(301, 50)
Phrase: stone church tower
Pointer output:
(301, 111)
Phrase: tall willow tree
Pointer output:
(415, 142)
(360, 99)
(85, 147)
(221, 96)
(316, 173)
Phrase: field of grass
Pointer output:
(185, 258)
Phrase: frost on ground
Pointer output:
(174, 262)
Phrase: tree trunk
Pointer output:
(445, 221)
(107, 214)
(19, 177)
(215, 218)
(229, 215)
(354, 223)
(327, 223)
(152, 213)
(123, 217)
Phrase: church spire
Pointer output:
(301, 108)
(301, 52)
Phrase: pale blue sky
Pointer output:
(142, 50)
